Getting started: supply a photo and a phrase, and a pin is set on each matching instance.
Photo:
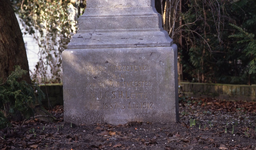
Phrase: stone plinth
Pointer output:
(120, 66)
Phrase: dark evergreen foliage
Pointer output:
(209, 55)
(17, 98)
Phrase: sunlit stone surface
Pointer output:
(120, 66)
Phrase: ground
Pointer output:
(204, 124)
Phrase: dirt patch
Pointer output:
(204, 124)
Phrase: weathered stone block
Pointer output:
(120, 85)
(120, 66)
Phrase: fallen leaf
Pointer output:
(184, 140)
(4, 148)
(153, 141)
(103, 133)
(117, 145)
(185, 125)
(98, 128)
(33, 146)
(222, 146)
(112, 133)
(176, 135)
(211, 140)
(24, 144)
(29, 136)
(119, 133)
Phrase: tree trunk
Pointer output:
(12, 48)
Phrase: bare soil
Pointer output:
(204, 124)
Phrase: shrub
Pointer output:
(17, 98)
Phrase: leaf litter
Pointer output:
(205, 123)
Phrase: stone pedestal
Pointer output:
(121, 66)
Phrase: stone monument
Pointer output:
(121, 66)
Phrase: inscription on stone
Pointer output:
(131, 68)
(112, 92)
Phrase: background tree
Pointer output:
(17, 95)
(12, 49)
(201, 28)
(207, 50)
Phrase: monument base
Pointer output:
(120, 85)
